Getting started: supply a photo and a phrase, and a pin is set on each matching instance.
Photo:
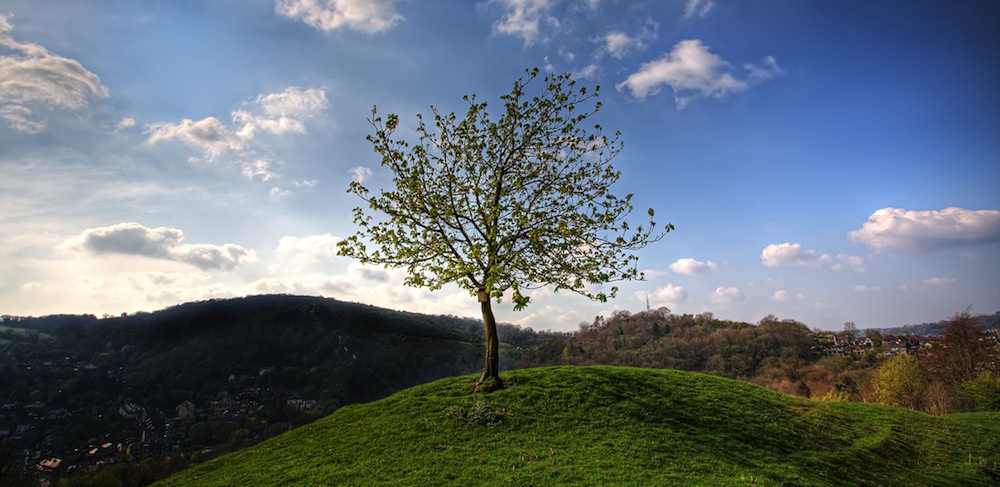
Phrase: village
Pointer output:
(60, 440)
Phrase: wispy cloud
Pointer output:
(850, 262)
(862, 288)
(692, 71)
(617, 43)
(32, 77)
(369, 16)
(927, 231)
(360, 173)
(938, 282)
(274, 113)
(525, 19)
(697, 8)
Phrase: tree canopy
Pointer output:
(501, 205)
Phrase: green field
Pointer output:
(615, 426)
(20, 334)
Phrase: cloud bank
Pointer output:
(927, 231)
(159, 243)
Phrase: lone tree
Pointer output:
(500, 206)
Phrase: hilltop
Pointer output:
(604, 425)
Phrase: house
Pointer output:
(303, 404)
(130, 410)
(50, 465)
(184, 410)
(893, 345)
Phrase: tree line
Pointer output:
(957, 372)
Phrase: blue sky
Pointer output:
(822, 161)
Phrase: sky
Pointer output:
(823, 161)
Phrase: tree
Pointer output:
(876, 337)
(985, 391)
(500, 206)
(962, 351)
(851, 332)
(13, 471)
(901, 382)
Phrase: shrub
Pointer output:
(985, 390)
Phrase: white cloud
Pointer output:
(667, 295)
(524, 18)
(371, 285)
(927, 231)
(360, 173)
(852, 262)
(125, 123)
(305, 183)
(126, 291)
(692, 71)
(618, 44)
(937, 282)
(281, 112)
(861, 288)
(789, 254)
(587, 72)
(209, 134)
(169, 288)
(725, 295)
(698, 8)
(275, 113)
(692, 266)
(767, 69)
(30, 76)
(306, 251)
(369, 16)
(781, 296)
(159, 243)
(259, 169)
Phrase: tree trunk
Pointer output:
(490, 379)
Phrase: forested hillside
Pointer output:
(954, 372)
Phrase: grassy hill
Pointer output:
(615, 426)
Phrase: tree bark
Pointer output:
(490, 380)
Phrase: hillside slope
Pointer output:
(615, 426)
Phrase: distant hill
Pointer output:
(988, 322)
(605, 425)
(353, 352)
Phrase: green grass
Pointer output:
(615, 426)
(21, 334)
